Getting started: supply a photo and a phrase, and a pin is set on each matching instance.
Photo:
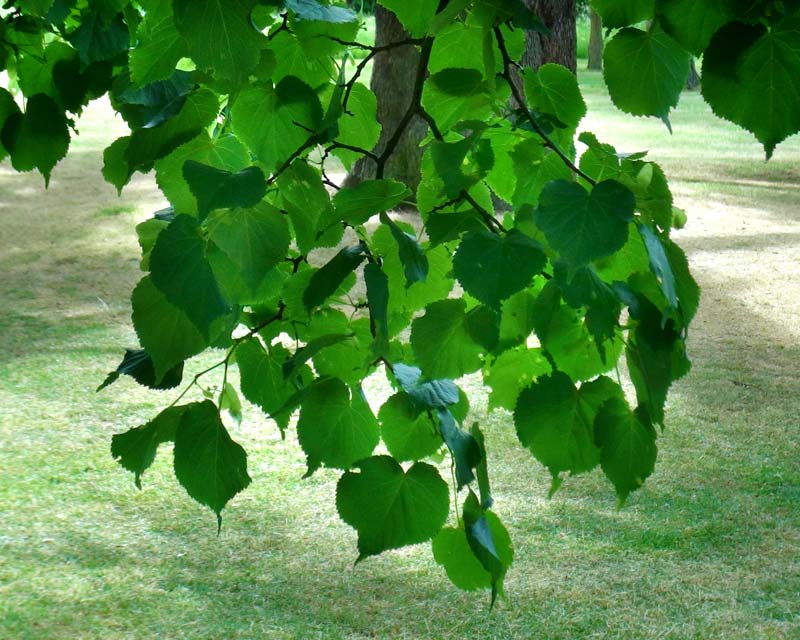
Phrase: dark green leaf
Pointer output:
(692, 23)
(492, 267)
(585, 226)
(645, 71)
(554, 90)
(415, 262)
(433, 394)
(411, 507)
(98, 38)
(458, 82)
(627, 444)
(38, 138)
(556, 422)
(139, 365)
(621, 13)
(220, 189)
(378, 300)
(659, 263)
(463, 448)
(293, 365)
(751, 76)
(166, 333)
(325, 281)
(210, 466)
(136, 449)
(181, 271)
(482, 469)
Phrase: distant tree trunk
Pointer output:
(693, 81)
(393, 75)
(595, 41)
(561, 46)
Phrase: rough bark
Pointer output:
(393, 75)
(693, 81)
(595, 41)
(561, 46)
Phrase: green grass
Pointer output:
(710, 548)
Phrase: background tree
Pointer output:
(595, 53)
(560, 46)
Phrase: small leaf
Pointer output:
(463, 447)
(410, 508)
(659, 264)
(433, 394)
(356, 205)
(220, 189)
(136, 449)
(378, 300)
(621, 13)
(585, 226)
(415, 262)
(229, 401)
(326, 280)
(139, 365)
(627, 444)
(407, 428)
(293, 365)
(210, 466)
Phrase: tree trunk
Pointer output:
(693, 81)
(595, 41)
(393, 75)
(561, 46)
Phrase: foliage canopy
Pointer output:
(239, 105)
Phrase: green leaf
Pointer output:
(482, 469)
(407, 428)
(8, 107)
(98, 38)
(567, 339)
(180, 269)
(556, 422)
(229, 401)
(336, 427)
(452, 550)
(621, 13)
(38, 138)
(208, 463)
(751, 76)
(356, 205)
(511, 372)
(308, 204)
(159, 45)
(262, 379)
(410, 508)
(220, 36)
(659, 264)
(224, 152)
(415, 262)
(254, 239)
(691, 24)
(313, 10)
(136, 449)
(378, 300)
(458, 82)
(166, 333)
(220, 189)
(139, 365)
(442, 342)
(554, 89)
(585, 226)
(627, 444)
(463, 448)
(432, 394)
(358, 126)
(326, 280)
(462, 164)
(274, 123)
(495, 557)
(293, 365)
(492, 267)
(416, 15)
(645, 71)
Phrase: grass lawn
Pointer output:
(710, 548)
